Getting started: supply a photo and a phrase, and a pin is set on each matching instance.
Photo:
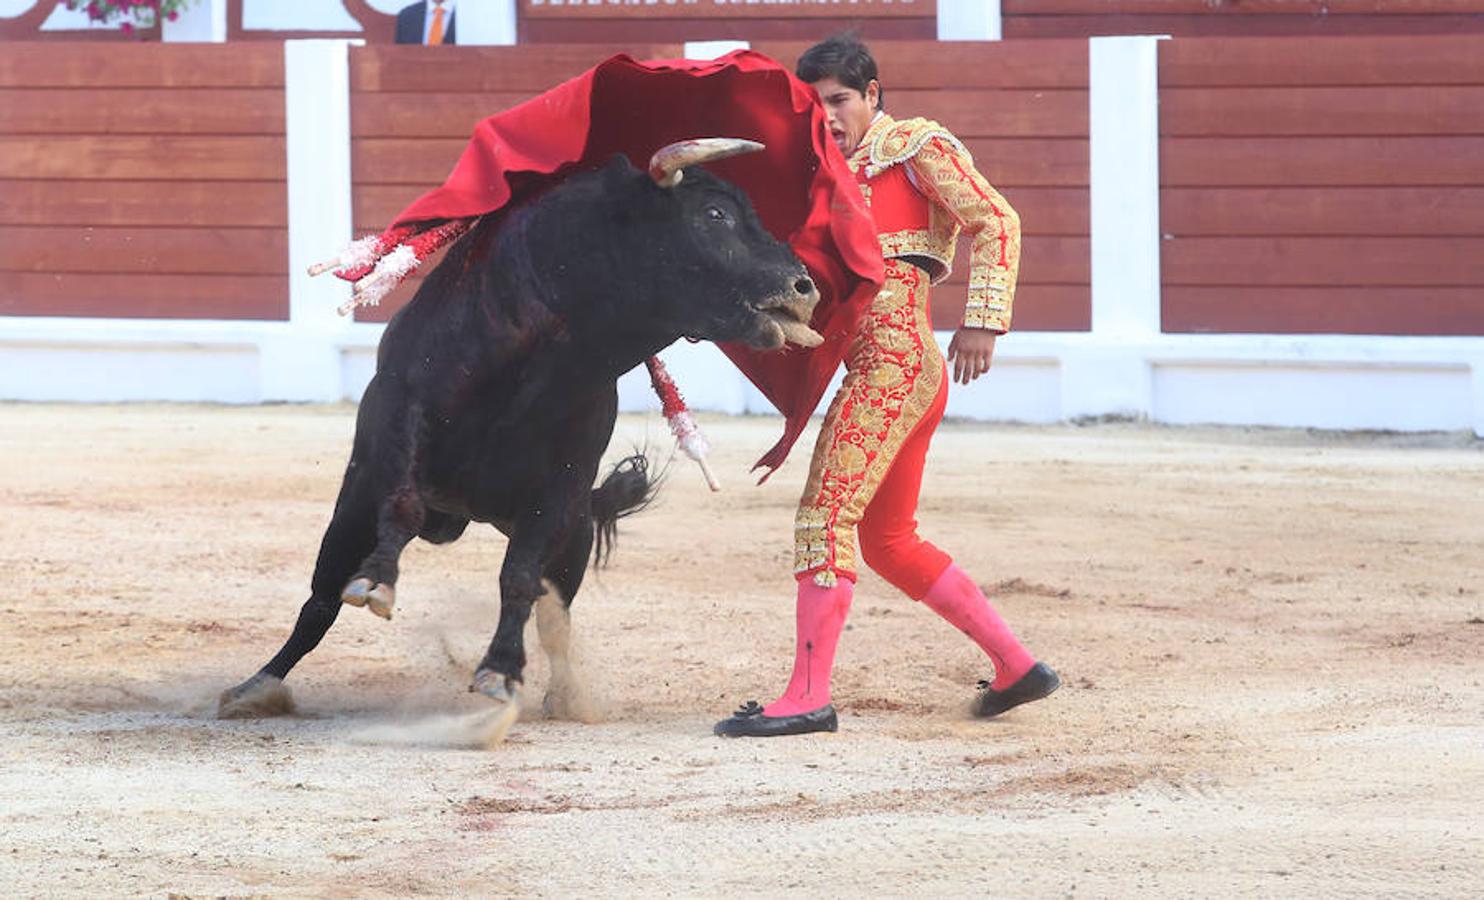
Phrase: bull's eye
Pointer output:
(717, 214)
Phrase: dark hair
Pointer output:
(844, 58)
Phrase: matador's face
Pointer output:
(848, 110)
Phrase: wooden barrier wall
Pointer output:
(1333, 190)
(143, 181)
(1022, 110)
(637, 21)
(1248, 18)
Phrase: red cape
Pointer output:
(800, 185)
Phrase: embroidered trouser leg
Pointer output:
(894, 378)
(889, 541)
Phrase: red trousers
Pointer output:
(866, 472)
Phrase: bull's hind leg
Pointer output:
(566, 695)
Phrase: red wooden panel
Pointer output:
(1317, 261)
(997, 113)
(1364, 211)
(843, 15)
(174, 251)
(199, 203)
(963, 65)
(1298, 110)
(1239, 8)
(1324, 310)
(148, 158)
(131, 64)
(557, 31)
(1392, 59)
(1018, 27)
(412, 114)
(435, 70)
(1310, 162)
(146, 296)
(141, 111)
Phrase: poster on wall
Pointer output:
(730, 9)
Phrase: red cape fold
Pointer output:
(800, 185)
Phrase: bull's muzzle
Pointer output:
(789, 312)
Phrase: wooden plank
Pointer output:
(1239, 8)
(129, 64)
(1311, 162)
(1297, 110)
(1392, 59)
(147, 296)
(1320, 261)
(1031, 162)
(1324, 310)
(406, 115)
(1043, 27)
(1362, 211)
(963, 65)
(998, 113)
(520, 69)
(146, 158)
(637, 32)
(141, 111)
(173, 251)
(855, 12)
(198, 203)
(1038, 307)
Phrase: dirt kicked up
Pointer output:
(1270, 642)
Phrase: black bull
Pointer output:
(495, 392)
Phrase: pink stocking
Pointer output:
(821, 617)
(955, 597)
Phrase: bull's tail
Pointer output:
(627, 490)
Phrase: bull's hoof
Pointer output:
(505, 691)
(379, 598)
(495, 686)
(259, 697)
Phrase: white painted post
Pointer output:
(305, 364)
(202, 22)
(486, 23)
(1113, 376)
(1478, 390)
(969, 20)
(712, 49)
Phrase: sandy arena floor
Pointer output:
(1271, 645)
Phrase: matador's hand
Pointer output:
(971, 350)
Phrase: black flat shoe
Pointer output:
(749, 721)
(1039, 682)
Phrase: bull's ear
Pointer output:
(618, 164)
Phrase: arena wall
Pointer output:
(1182, 263)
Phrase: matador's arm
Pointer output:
(945, 173)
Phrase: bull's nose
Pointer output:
(804, 287)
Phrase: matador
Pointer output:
(923, 190)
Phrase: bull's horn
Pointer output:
(665, 165)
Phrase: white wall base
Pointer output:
(1326, 381)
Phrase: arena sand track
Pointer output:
(1270, 643)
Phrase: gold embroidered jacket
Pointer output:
(922, 188)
